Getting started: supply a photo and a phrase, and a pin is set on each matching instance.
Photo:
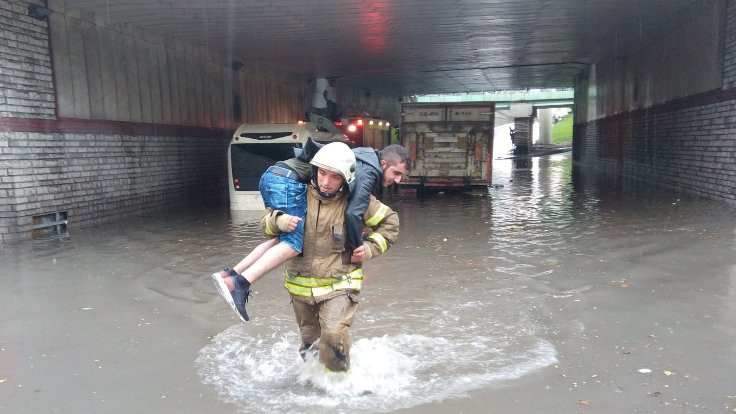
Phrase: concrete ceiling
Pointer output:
(410, 46)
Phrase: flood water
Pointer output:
(553, 292)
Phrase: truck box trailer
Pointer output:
(450, 144)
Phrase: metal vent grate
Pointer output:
(50, 224)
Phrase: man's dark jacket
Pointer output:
(367, 181)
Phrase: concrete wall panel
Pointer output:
(200, 100)
(108, 73)
(683, 59)
(270, 94)
(188, 87)
(676, 125)
(352, 100)
(224, 96)
(119, 49)
(122, 73)
(155, 83)
(260, 99)
(211, 103)
(251, 107)
(172, 78)
(163, 72)
(78, 65)
(133, 82)
(225, 91)
(144, 76)
(183, 85)
(91, 44)
(214, 87)
(254, 113)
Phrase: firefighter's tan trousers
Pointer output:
(327, 318)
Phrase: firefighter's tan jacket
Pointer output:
(320, 269)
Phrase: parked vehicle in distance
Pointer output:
(366, 131)
(450, 144)
(255, 147)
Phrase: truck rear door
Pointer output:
(451, 144)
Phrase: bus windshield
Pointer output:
(250, 161)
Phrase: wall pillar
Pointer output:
(523, 135)
(545, 126)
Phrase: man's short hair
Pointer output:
(396, 154)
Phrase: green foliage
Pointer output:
(562, 131)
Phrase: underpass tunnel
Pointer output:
(116, 108)
(598, 279)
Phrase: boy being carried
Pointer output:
(283, 190)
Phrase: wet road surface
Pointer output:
(554, 292)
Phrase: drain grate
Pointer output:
(50, 224)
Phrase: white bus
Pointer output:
(255, 147)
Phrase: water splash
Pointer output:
(266, 374)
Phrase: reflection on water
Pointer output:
(480, 290)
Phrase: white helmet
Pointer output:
(336, 157)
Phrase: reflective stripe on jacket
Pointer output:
(324, 240)
(313, 286)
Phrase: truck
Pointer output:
(366, 131)
(450, 144)
(362, 131)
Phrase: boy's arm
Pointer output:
(385, 225)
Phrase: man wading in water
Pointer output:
(324, 288)
(283, 187)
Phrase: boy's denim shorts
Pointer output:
(289, 196)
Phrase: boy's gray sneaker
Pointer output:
(227, 297)
(240, 295)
